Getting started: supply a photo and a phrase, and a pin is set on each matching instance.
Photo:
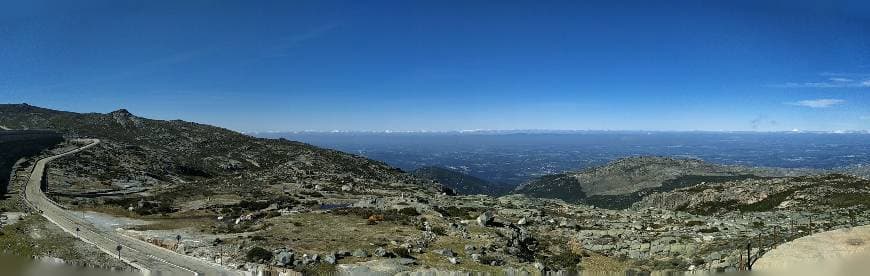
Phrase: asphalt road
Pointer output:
(148, 258)
(837, 252)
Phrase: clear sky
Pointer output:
(446, 65)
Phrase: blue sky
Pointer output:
(446, 65)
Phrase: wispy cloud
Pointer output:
(818, 103)
(280, 47)
(834, 80)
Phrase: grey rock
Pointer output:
(359, 253)
(329, 259)
(453, 260)
(284, 258)
(485, 219)
(475, 257)
(444, 252)
(380, 252)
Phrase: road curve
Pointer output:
(148, 258)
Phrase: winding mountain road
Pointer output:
(148, 258)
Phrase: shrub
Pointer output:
(402, 252)
(258, 254)
(709, 230)
(253, 205)
(563, 261)
(439, 231)
(410, 211)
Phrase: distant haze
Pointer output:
(515, 157)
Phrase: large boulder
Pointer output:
(485, 219)
(380, 252)
(329, 259)
(284, 258)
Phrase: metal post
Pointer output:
(749, 256)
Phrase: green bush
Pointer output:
(402, 252)
(410, 211)
(258, 254)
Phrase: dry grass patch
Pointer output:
(321, 232)
(599, 263)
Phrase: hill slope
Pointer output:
(140, 152)
(622, 182)
(818, 193)
(15, 144)
(460, 182)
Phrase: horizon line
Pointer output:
(542, 131)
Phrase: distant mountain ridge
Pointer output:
(460, 182)
(624, 181)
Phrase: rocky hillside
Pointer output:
(459, 182)
(16, 144)
(620, 183)
(140, 153)
(805, 193)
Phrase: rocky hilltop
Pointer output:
(620, 183)
(796, 194)
(143, 153)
